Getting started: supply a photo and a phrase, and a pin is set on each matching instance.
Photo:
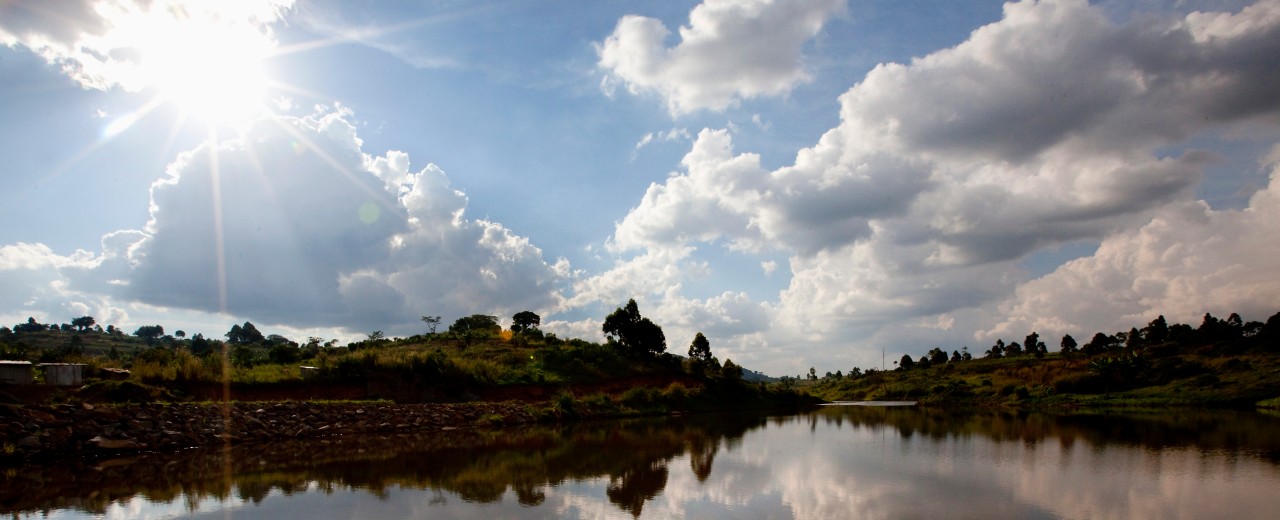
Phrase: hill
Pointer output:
(475, 361)
(1221, 363)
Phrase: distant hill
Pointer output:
(757, 377)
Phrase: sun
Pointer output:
(211, 70)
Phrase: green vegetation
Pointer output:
(475, 359)
(1220, 363)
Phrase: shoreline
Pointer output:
(33, 432)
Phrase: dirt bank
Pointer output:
(36, 431)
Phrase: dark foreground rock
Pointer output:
(28, 432)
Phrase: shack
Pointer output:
(63, 374)
(16, 373)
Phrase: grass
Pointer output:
(1204, 376)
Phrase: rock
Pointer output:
(115, 444)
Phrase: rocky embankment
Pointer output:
(28, 432)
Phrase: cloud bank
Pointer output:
(906, 224)
(294, 224)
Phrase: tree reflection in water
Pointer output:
(634, 456)
(477, 466)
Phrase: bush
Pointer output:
(122, 392)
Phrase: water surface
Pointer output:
(835, 462)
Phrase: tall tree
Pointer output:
(1014, 349)
(634, 334)
(150, 333)
(1157, 331)
(525, 321)
(476, 325)
(432, 322)
(996, 351)
(1098, 344)
(83, 323)
(1068, 345)
(199, 345)
(731, 371)
(1133, 340)
(1034, 346)
(700, 349)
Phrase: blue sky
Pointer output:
(808, 183)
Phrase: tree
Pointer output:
(180, 334)
(634, 334)
(906, 363)
(1133, 341)
(1014, 349)
(83, 323)
(1034, 346)
(996, 351)
(476, 325)
(937, 357)
(1157, 331)
(955, 357)
(30, 326)
(1098, 344)
(284, 353)
(700, 349)
(731, 371)
(245, 334)
(199, 345)
(525, 321)
(1068, 345)
(150, 333)
(432, 322)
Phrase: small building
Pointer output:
(16, 372)
(309, 372)
(114, 374)
(63, 374)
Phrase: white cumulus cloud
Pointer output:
(294, 225)
(731, 50)
(1051, 126)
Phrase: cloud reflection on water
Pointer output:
(832, 463)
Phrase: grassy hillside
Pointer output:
(1224, 371)
(576, 376)
(1220, 363)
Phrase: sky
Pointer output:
(809, 183)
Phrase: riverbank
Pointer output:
(38, 431)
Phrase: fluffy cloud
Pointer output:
(1188, 260)
(102, 43)
(37, 285)
(293, 224)
(1050, 126)
(731, 50)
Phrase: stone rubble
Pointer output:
(34, 431)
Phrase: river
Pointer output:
(834, 462)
